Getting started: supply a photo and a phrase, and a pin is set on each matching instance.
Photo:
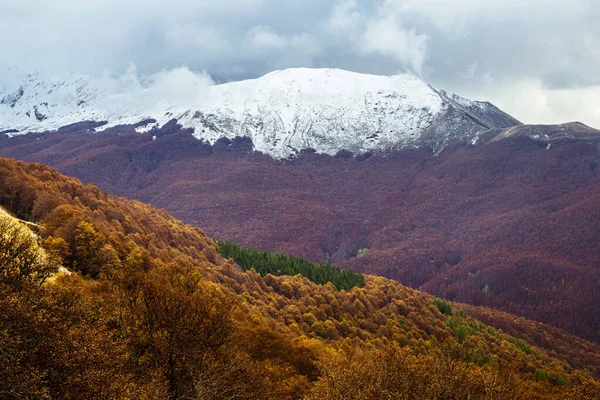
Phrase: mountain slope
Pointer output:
(282, 112)
(168, 317)
(546, 133)
(466, 224)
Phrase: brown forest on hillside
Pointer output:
(512, 224)
(151, 310)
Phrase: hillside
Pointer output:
(508, 224)
(155, 312)
(282, 112)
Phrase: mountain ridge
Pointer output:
(283, 112)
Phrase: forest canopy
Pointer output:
(144, 307)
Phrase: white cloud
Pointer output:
(344, 18)
(264, 38)
(196, 38)
(530, 101)
(386, 37)
(179, 83)
(467, 46)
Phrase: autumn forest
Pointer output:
(464, 225)
(103, 297)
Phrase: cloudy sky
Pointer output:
(537, 59)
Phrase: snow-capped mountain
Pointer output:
(282, 112)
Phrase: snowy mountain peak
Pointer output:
(282, 112)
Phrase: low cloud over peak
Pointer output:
(536, 59)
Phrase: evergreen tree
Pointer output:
(278, 264)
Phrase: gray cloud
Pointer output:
(537, 59)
